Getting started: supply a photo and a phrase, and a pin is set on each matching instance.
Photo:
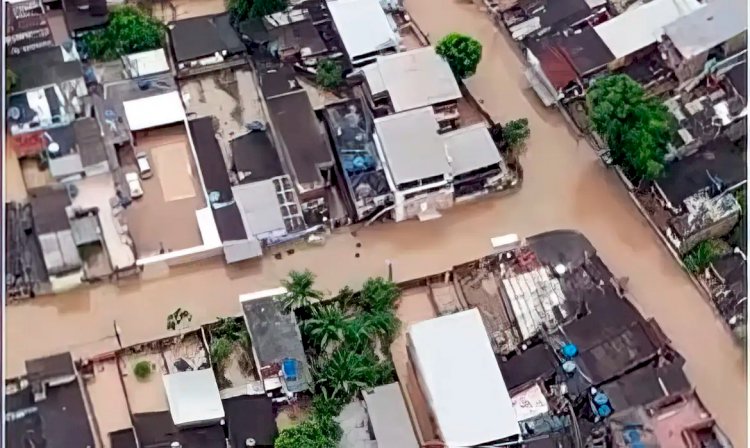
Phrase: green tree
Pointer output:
(129, 30)
(10, 80)
(516, 133)
(316, 432)
(262, 8)
(327, 324)
(221, 350)
(637, 128)
(345, 372)
(462, 53)
(142, 370)
(239, 10)
(701, 256)
(300, 290)
(329, 74)
(378, 294)
(382, 324)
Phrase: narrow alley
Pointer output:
(565, 187)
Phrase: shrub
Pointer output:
(221, 350)
(516, 132)
(142, 370)
(129, 30)
(262, 8)
(329, 74)
(316, 432)
(462, 53)
(701, 256)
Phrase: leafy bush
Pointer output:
(239, 10)
(325, 406)
(378, 294)
(221, 350)
(637, 128)
(262, 8)
(346, 372)
(329, 74)
(142, 370)
(700, 258)
(129, 30)
(316, 432)
(327, 324)
(516, 132)
(462, 53)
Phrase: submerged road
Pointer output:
(565, 188)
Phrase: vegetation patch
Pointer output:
(130, 30)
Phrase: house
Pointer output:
(695, 189)
(27, 28)
(45, 99)
(535, 18)
(277, 344)
(480, 415)
(293, 37)
(254, 157)
(46, 407)
(425, 169)
(82, 16)
(250, 418)
(679, 421)
(298, 132)
(714, 32)
(389, 419)
(638, 29)
(728, 282)
(560, 65)
(412, 80)
(49, 209)
(193, 398)
(145, 63)
(350, 127)
(156, 430)
(364, 29)
(206, 43)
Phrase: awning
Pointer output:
(154, 111)
(548, 98)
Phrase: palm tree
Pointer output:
(327, 324)
(381, 323)
(345, 372)
(378, 294)
(300, 291)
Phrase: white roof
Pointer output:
(411, 145)
(154, 111)
(274, 292)
(471, 148)
(413, 79)
(193, 397)
(461, 379)
(712, 25)
(146, 63)
(640, 26)
(389, 418)
(362, 25)
(260, 209)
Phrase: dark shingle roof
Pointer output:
(81, 15)
(56, 69)
(254, 153)
(250, 417)
(48, 209)
(721, 158)
(203, 36)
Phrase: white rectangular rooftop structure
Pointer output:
(193, 397)
(146, 63)
(154, 111)
(389, 418)
(260, 209)
(362, 26)
(707, 27)
(641, 25)
(413, 79)
(411, 145)
(471, 148)
(461, 380)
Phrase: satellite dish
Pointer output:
(53, 148)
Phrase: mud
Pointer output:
(565, 187)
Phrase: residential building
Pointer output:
(46, 407)
(204, 44)
(412, 80)
(389, 419)
(364, 29)
(425, 169)
(727, 280)
(82, 16)
(277, 344)
(637, 30)
(27, 28)
(535, 18)
(707, 35)
(480, 415)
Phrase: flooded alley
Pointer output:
(565, 187)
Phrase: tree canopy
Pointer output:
(129, 30)
(262, 8)
(637, 128)
(300, 290)
(329, 74)
(315, 432)
(516, 132)
(462, 53)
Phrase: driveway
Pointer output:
(565, 187)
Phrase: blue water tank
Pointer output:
(569, 351)
(604, 411)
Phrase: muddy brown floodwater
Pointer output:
(565, 187)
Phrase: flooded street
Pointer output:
(565, 187)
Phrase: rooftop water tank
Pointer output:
(569, 351)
